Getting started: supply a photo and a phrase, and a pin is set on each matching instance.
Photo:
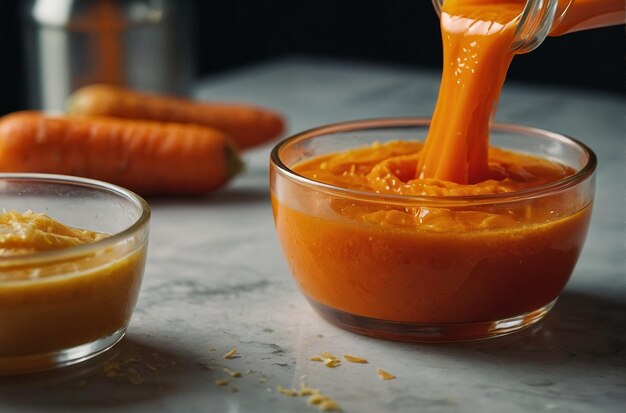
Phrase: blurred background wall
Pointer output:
(235, 33)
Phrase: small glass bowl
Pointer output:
(417, 284)
(67, 305)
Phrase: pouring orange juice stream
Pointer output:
(478, 38)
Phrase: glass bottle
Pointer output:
(142, 44)
(542, 18)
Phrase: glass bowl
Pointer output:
(63, 306)
(419, 284)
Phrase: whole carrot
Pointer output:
(248, 125)
(150, 158)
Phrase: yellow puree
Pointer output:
(49, 306)
(31, 232)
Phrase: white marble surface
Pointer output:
(216, 278)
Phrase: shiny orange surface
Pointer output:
(477, 40)
(477, 37)
(429, 264)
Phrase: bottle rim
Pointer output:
(532, 25)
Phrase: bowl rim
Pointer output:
(78, 250)
(584, 173)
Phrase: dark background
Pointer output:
(233, 33)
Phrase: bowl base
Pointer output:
(61, 358)
(429, 332)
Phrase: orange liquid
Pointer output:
(391, 273)
(477, 40)
(57, 313)
(477, 37)
(427, 264)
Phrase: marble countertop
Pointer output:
(216, 279)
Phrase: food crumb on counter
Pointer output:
(287, 392)
(354, 359)
(329, 405)
(327, 355)
(333, 361)
(231, 372)
(312, 396)
(231, 354)
(323, 402)
(328, 359)
(114, 370)
(315, 397)
(307, 391)
(383, 375)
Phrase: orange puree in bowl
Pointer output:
(30, 232)
(430, 264)
(51, 300)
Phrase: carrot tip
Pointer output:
(234, 164)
